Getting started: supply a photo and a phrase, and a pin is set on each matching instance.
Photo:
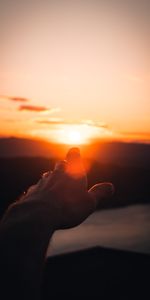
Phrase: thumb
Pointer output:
(101, 191)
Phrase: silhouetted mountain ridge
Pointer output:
(19, 147)
(120, 153)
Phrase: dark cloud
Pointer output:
(15, 99)
(33, 108)
(18, 99)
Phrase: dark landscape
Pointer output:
(126, 165)
(96, 273)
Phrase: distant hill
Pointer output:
(20, 147)
(119, 153)
(130, 154)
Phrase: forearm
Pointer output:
(24, 238)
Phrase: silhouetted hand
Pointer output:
(64, 193)
(59, 200)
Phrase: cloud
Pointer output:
(15, 99)
(95, 124)
(52, 121)
(18, 99)
(52, 110)
(59, 121)
(33, 108)
(137, 133)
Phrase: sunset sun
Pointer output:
(73, 135)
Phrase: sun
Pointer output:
(73, 135)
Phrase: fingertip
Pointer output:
(73, 154)
(46, 174)
(61, 166)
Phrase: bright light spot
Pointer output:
(73, 135)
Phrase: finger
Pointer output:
(75, 169)
(58, 173)
(73, 155)
(101, 191)
(44, 179)
(30, 190)
(75, 166)
(60, 166)
(46, 174)
(27, 195)
(38, 186)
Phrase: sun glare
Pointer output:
(72, 135)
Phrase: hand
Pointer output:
(59, 200)
(63, 193)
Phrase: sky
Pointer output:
(75, 69)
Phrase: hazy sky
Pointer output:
(76, 62)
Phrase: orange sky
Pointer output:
(78, 68)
